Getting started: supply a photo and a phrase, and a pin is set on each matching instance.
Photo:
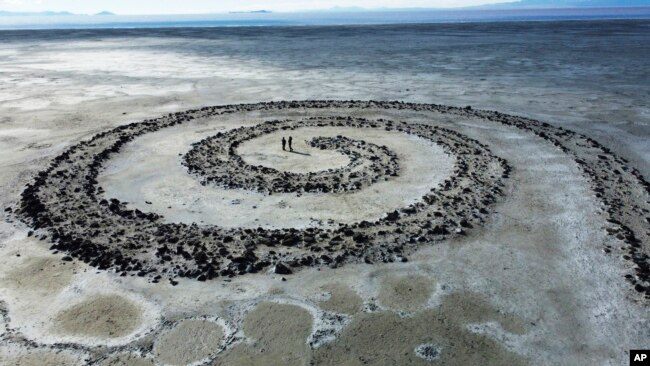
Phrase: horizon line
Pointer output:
(328, 10)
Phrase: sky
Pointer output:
(218, 6)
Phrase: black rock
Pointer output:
(282, 269)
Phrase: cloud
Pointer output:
(21, 2)
(26, 5)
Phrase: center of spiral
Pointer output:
(148, 170)
(267, 151)
(216, 161)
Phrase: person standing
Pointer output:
(290, 141)
(284, 143)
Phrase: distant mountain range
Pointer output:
(549, 4)
(523, 4)
(46, 13)
(511, 4)
(251, 12)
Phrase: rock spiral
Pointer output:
(67, 205)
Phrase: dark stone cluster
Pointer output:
(215, 161)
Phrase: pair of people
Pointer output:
(284, 143)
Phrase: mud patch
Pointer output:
(407, 293)
(385, 338)
(342, 299)
(189, 341)
(104, 316)
(277, 335)
(41, 274)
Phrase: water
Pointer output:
(317, 18)
(588, 71)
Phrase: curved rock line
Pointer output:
(215, 161)
(69, 184)
(622, 189)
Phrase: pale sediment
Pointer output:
(390, 314)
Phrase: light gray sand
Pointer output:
(532, 286)
(38, 357)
